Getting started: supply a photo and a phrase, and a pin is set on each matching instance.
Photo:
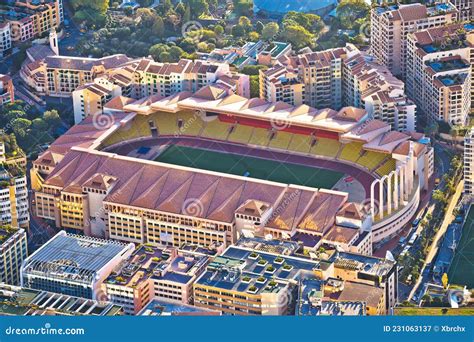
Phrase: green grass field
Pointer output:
(258, 168)
(461, 269)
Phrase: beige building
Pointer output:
(33, 19)
(91, 98)
(439, 72)
(281, 84)
(265, 277)
(390, 26)
(372, 86)
(154, 273)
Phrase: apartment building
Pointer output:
(32, 19)
(13, 251)
(154, 273)
(469, 165)
(263, 277)
(321, 75)
(13, 196)
(439, 72)
(91, 98)
(5, 38)
(165, 79)
(391, 24)
(347, 77)
(54, 75)
(7, 90)
(372, 86)
(281, 84)
(73, 265)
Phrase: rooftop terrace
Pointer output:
(159, 263)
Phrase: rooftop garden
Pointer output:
(6, 232)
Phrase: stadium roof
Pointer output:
(74, 257)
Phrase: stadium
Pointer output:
(208, 167)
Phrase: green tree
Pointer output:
(238, 31)
(219, 30)
(348, 11)
(243, 7)
(270, 31)
(298, 36)
(52, 118)
(259, 27)
(21, 127)
(158, 28)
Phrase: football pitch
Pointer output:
(270, 170)
(462, 266)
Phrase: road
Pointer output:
(448, 218)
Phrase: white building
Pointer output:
(13, 251)
(74, 265)
(5, 38)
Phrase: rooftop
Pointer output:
(159, 263)
(24, 301)
(162, 308)
(74, 257)
(255, 272)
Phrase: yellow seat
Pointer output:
(260, 137)
(241, 134)
(351, 152)
(281, 140)
(326, 147)
(192, 124)
(386, 167)
(300, 143)
(371, 159)
(216, 129)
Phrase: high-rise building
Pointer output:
(439, 72)
(340, 77)
(469, 164)
(13, 251)
(391, 24)
(13, 196)
(372, 86)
